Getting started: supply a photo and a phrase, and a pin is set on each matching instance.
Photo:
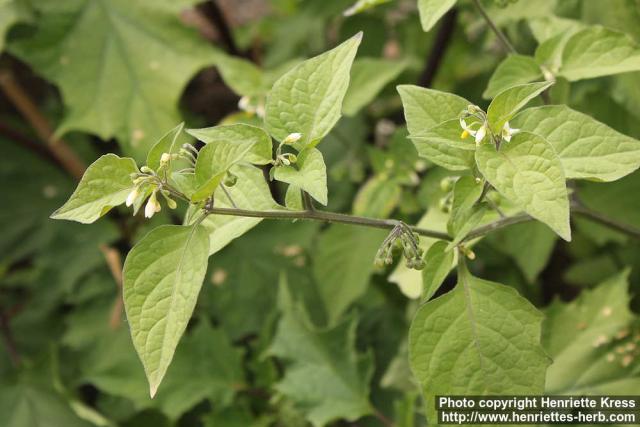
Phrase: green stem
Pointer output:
(494, 27)
(317, 215)
(606, 221)
(496, 225)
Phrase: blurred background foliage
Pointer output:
(80, 78)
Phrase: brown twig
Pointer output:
(7, 339)
(439, 47)
(213, 13)
(114, 261)
(29, 110)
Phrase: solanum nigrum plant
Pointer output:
(525, 155)
(264, 251)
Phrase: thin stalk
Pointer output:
(503, 39)
(606, 221)
(323, 216)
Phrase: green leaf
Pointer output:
(30, 404)
(261, 150)
(466, 212)
(530, 244)
(326, 378)
(163, 274)
(105, 184)
(443, 145)
(506, 104)
(343, 264)
(11, 13)
(514, 70)
(432, 10)
(206, 366)
(368, 77)
(439, 262)
(587, 148)
(528, 172)
(308, 99)
(426, 108)
(242, 76)
(482, 338)
(251, 192)
(293, 198)
(311, 175)
(377, 198)
(597, 51)
(214, 160)
(169, 143)
(584, 339)
(120, 65)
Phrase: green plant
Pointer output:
(500, 177)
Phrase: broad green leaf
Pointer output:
(11, 13)
(215, 159)
(163, 274)
(120, 65)
(587, 148)
(377, 198)
(443, 146)
(308, 99)
(426, 108)
(466, 212)
(585, 337)
(29, 404)
(513, 71)
(368, 77)
(251, 192)
(261, 150)
(342, 265)
(105, 184)
(309, 173)
(597, 51)
(482, 338)
(506, 104)
(530, 244)
(528, 172)
(432, 10)
(169, 143)
(325, 378)
(439, 262)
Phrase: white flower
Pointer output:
(152, 206)
(481, 133)
(508, 132)
(245, 104)
(468, 130)
(131, 198)
(292, 138)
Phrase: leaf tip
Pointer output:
(153, 389)
(358, 37)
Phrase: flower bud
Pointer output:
(152, 206)
(292, 138)
(164, 159)
(133, 195)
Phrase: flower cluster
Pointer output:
(147, 185)
(473, 121)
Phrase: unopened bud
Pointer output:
(292, 138)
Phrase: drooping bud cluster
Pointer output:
(285, 159)
(401, 238)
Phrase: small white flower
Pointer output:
(133, 195)
(508, 132)
(260, 111)
(245, 104)
(152, 206)
(481, 133)
(292, 138)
